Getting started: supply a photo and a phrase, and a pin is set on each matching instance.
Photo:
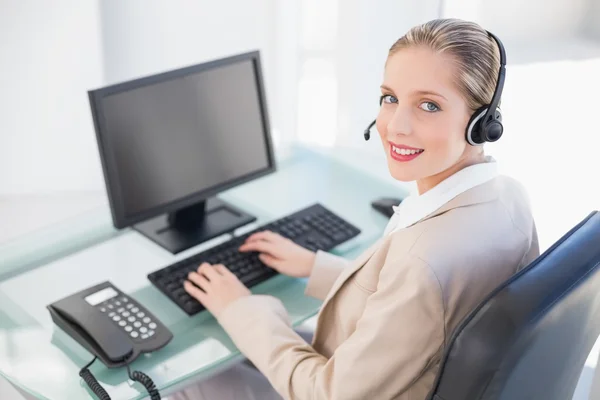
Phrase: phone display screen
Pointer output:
(100, 296)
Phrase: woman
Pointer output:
(388, 315)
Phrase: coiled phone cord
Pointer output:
(137, 376)
(146, 381)
(92, 382)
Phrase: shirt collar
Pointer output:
(415, 207)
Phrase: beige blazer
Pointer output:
(388, 315)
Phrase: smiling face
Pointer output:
(422, 118)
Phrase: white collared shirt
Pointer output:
(415, 207)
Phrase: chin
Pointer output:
(401, 173)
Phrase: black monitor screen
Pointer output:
(180, 136)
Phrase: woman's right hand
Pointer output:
(280, 253)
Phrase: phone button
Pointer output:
(126, 314)
(135, 309)
(102, 309)
(131, 319)
(144, 336)
(140, 315)
(128, 328)
(143, 329)
(146, 320)
(134, 334)
(116, 318)
(122, 323)
(150, 333)
(137, 324)
(152, 325)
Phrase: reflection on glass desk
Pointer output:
(38, 269)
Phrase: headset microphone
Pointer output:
(367, 131)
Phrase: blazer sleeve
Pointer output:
(400, 333)
(326, 269)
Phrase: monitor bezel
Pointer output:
(119, 216)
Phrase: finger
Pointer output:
(200, 281)
(263, 235)
(211, 273)
(195, 292)
(269, 260)
(223, 270)
(202, 267)
(260, 246)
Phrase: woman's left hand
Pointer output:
(220, 287)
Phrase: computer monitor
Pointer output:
(169, 143)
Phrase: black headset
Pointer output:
(485, 125)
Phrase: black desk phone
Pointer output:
(113, 327)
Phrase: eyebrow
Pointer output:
(419, 92)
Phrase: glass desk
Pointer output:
(40, 268)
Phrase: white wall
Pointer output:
(592, 22)
(524, 20)
(50, 57)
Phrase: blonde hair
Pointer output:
(474, 52)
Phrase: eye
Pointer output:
(387, 98)
(429, 106)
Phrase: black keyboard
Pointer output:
(314, 227)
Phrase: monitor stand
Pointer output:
(193, 225)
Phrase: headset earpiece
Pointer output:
(479, 132)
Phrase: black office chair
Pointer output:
(530, 338)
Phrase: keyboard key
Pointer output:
(339, 236)
(251, 276)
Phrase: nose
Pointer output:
(400, 122)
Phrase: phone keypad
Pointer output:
(129, 317)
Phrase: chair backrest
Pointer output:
(530, 338)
